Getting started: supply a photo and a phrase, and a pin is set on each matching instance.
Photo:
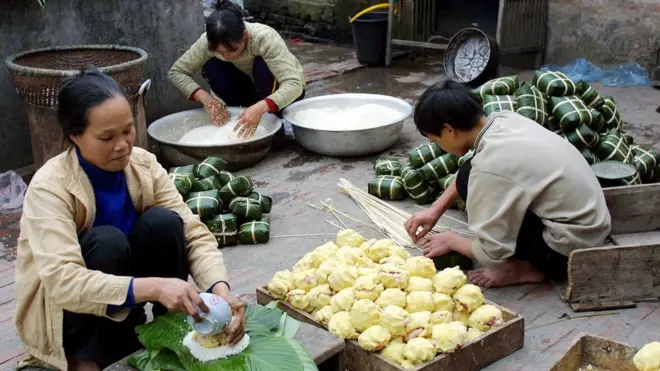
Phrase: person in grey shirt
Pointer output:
(532, 196)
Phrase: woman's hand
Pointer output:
(249, 120)
(214, 107)
(236, 329)
(179, 296)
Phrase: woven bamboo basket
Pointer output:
(38, 75)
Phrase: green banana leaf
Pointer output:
(272, 345)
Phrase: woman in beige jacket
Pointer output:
(103, 232)
(246, 65)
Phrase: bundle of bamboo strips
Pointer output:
(388, 218)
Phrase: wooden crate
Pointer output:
(497, 344)
(601, 354)
(627, 270)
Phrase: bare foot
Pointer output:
(511, 272)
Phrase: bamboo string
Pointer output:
(388, 218)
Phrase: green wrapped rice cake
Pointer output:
(206, 184)
(416, 186)
(440, 167)
(206, 204)
(598, 122)
(465, 158)
(225, 229)
(246, 208)
(183, 182)
(645, 162)
(224, 177)
(589, 95)
(554, 83)
(188, 169)
(613, 146)
(387, 167)
(531, 103)
(421, 155)
(582, 137)
(499, 86)
(499, 103)
(238, 187)
(553, 124)
(447, 181)
(570, 112)
(254, 232)
(589, 156)
(266, 202)
(211, 166)
(611, 114)
(387, 187)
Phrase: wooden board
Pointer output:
(601, 354)
(497, 344)
(614, 273)
(634, 208)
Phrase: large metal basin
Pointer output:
(352, 142)
(168, 130)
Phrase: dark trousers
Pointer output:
(155, 247)
(530, 245)
(236, 88)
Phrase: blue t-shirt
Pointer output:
(114, 206)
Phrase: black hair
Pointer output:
(447, 102)
(225, 25)
(79, 94)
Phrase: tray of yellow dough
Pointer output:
(593, 353)
(393, 309)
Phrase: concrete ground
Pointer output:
(294, 178)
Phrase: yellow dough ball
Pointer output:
(420, 266)
(305, 280)
(342, 277)
(443, 302)
(395, 320)
(343, 300)
(419, 350)
(416, 283)
(364, 314)
(393, 277)
(299, 299)
(486, 317)
(448, 280)
(368, 287)
(281, 284)
(441, 316)
(420, 301)
(397, 261)
(325, 269)
(447, 337)
(379, 250)
(400, 252)
(461, 316)
(392, 297)
(419, 325)
(340, 325)
(324, 314)
(349, 237)
(394, 351)
(472, 333)
(468, 297)
(648, 357)
(374, 338)
(320, 296)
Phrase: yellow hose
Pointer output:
(369, 9)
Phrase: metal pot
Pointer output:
(348, 143)
(472, 57)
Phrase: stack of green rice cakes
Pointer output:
(227, 204)
(578, 113)
(428, 172)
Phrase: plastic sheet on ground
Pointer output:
(626, 74)
(12, 191)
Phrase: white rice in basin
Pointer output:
(211, 354)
